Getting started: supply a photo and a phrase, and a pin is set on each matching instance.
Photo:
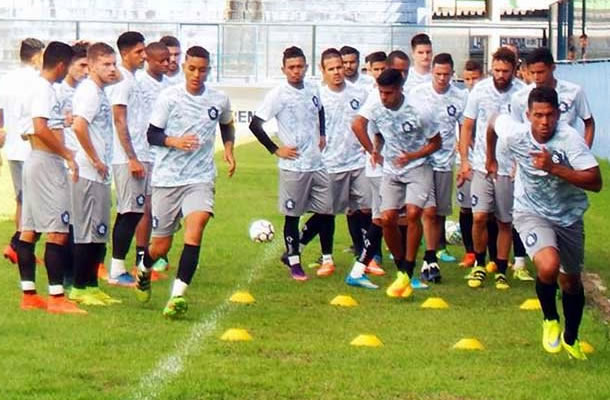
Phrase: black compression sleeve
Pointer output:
(227, 132)
(156, 136)
(256, 126)
(322, 122)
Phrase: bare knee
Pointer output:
(547, 265)
(389, 218)
(479, 218)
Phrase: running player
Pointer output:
(183, 130)
(421, 51)
(410, 136)
(46, 205)
(351, 68)
(130, 155)
(447, 103)
(296, 106)
(174, 74)
(488, 195)
(90, 195)
(16, 116)
(555, 167)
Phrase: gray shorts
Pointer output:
(537, 233)
(492, 195)
(415, 188)
(46, 200)
(91, 204)
(375, 194)
(131, 192)
(16, 168)
(349, 189)
(300, 192)
(463, 197)
(170, 204)
(443, 191)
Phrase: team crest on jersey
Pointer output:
(531, 239)
(140, 200)
(451, 110)
(316, 101)
(290, 204)
(101, 229)
(354, 104)
(460, 196)
(65, 217)
(213, 113)
(407, 127)
(557, 157)
(475, 200)
(508, 108)
(563, 107)
(155, 222)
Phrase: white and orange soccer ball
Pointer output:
(261, 231)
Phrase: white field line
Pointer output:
(153, 382)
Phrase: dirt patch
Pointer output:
(596, 293)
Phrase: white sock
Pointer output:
(117, 267)
(327, 258)
(293, 260)
(56, 290)
(179, 288)
(519, 263)
(28, 285)
(357, 270)
(301, 247)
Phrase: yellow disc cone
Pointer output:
(435, 302)
(586, 347)
(242, 297)
(366, 340)
(530, 305)
(344, 301)
(236, 335)
(469, 344)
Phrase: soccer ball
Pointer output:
(261, 231)
(453, 234)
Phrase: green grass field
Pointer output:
(301, 343)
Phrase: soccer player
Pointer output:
(555, 167)
(16, 117)
(174, 74)
(296, 106)
(90, 195)
(183, 130)
(410, 136)
(130, 156)
(447, 103)
(399, 60)
(351, 68)
(421, 51)
(489, 196)
(46, 206)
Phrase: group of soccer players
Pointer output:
(74, 118)
(380, 145)
(377, 145)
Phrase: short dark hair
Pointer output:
(540, 55)
(543, 95)
(155, 46)
(345, 50)
(170, 41)
(99, 49)
(128, 40)
(473, 65)
(420, 38)
(390, 77)
(443, 58)
(329, 53)
(29, 48)
(292, 52)
(505, 54)
(394, 54)
(56, 53)
(377, 56)
(198, 51)
(79, 50)
(583, 36)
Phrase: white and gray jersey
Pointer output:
(43, 103)
(343, 152)
(90, 102)
(363, 81)
(176, 79)
(415, 78)
(372, 101)
(15, 87)
(536, 191)
(448, 113)
(180, 113)
(485, 101)
(297, 114)
(65, 94)
(150, 89)
(126, 93)
(407, 129)
(573, 104)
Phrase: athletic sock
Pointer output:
(26, 260)
(291, 235)
(122, 233)
(15, 240)
(327, 233)
(409, 268)
(492, 239)
(140, 253)
(327, 258)
(502, 266)
(573, 306)
(357, 270)
(84, 256)
(442, 240)
(466, 229)
(310, 229)
(480, 259)
(354, 227)
(117, 268)
(188, 263)
(54, 261)
(97, 250)
(179, 288)
(518, 247)
(147, 260)
(430, 256)
(69, 260)
(371, 243)
(546, 295)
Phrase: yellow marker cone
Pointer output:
(236, 335)
(469, 344)
(586, 347)
(242, 297)
(435, 302)
(531, 305)
(366, 340)
(344, 301)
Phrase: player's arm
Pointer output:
(156, 137)
(465, 142)
(360, 127)
(434, 143)
(589, 131)
(81, 131)
(52, 142)
(587, 179)
(227, 133)
(491, 163)
(119, 113)
(256, 127)
(322, 118)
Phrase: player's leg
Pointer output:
(329, 196)
(16, 168)
(393, 194)
(520, 271)
(492, 243)
(482, 193)
(465, 203)
(443, 184)
(503, 192)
